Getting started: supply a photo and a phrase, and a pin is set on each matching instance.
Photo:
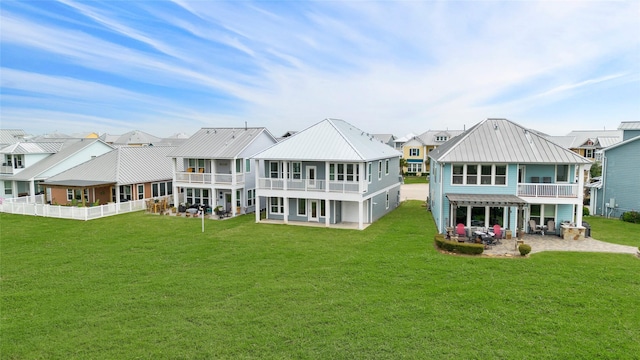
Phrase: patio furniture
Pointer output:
(551, 226)
(534, 228)
(498, 233)
(461, 232)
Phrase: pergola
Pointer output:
(491, 200)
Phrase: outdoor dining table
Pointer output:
(484, 235)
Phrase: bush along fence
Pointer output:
(35, 206)
(456, 247)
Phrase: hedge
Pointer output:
(456, 247)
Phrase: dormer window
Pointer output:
(442, 138)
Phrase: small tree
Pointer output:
(403, 164)
(596, 169)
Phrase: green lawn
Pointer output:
(145, 286)
(614, 230)
(416, 180)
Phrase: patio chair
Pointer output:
(533, 227)
(497, 233)
(551, 226)
(461, 232)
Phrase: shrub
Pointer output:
(631, 216)
(524, 249)
(585, 211)
(456, 247)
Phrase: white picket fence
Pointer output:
(27, 206)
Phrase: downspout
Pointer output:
(441, 198)
(604, 188)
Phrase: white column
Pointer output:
(326, 178)
(256, 170)
(327, 212)
(285, 204)
(284, 174)
(362, 182)
(176, 193)
(580, 195)
(32, 190)
(213, 171)
(233, 201)
(360, 215)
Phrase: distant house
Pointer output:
(587, 142)
(24, 178)
(416, 150)
(11, 136)
(617, 190)
(213, 167)
(331, 173)
(388, 139)
(499, 172)
(131, 138)
(399, 142)
(123, 174)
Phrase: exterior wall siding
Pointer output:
(621, 179)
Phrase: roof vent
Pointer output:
(495, 126)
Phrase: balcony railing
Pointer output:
(208, 178)
(548, 190)
(308, 185)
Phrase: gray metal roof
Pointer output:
(11, 136)
(32, 148)
(330, 140)
(484, 200)
(629, 125)
(47, 163)
(218, 143)
(385, 138)
(621, 143)
(582, 136)
(503, 141)
(123, 165)
(136, 137)
(429, 137)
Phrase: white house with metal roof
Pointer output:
(213, 167)
(331, 173)
(26, 177)
(122, 174)
(499, 172)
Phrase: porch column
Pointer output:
(452, 218)
(285, 175)
(285, 205)
(580, 195)
(233, 174)
(326, 178)
(327, 212)
(256, 198)
(213, 171)
(360, 215)
(176, 192)
(233, 201)
(32, 190)
(361, 177)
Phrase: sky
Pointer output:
(392, 67)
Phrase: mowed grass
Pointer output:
(416, 180)
(614, 230)
(145, 286)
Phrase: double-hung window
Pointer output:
(472, 174)
(562, 173)
(277, 205)
(302, 207)
(478, 174)
(379, 169)
(251, 195)
(274, 169)
(386, 167)
(414, 152)
(296, 170)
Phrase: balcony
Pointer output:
(548, 190)
(208, 178)
(351, 187)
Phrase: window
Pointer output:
(198, 196)
(350, 173)
(386, 167)
(238, 198)
(274, 169)
(414, 167)
(322, 208)
(588, 153)
(458, 174)
(7, 188)
(472, 174)
(238, 166)
(296, 170)
(369, 166)
(332, 172)
(501, 175)
(161, 189)
(414, 152)
(251, 195)
(340, 172)
(247, 165)
(441, 138)
(485, 174)
(562, 173)
(387, 201)
(140, 191)
(125, 192)
(379, 169)
(277, 205)
(344, 172)
(302, 207)
(69, 194)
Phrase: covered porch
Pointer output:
(486, 210)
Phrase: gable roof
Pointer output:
(622, 143)
(629, 125)
(50, 161)
(123, 165)
(218, 143)
(386, 138)
(11, 136)
(136, 137)
(32, 148)
(330, 140)
(503, 141)
(581, 137)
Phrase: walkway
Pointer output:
(540, 243)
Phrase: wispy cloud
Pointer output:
(386, 66)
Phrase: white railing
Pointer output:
(208, 178)
(12, 206)
(548, 190)
(6, 169)
(309, 185)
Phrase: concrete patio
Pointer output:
(540, 243)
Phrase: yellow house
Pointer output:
(416, 151)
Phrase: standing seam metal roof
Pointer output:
(218, 143)
(503, 141)
(330, 140)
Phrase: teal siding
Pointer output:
(621, 179)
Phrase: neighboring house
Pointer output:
(11, 136)
(331, 173)
(27, 180)
(388, 139)
(131, 138)
(123, 174)
(499, 172)
(587, 142)
(18, 157)
(416, 151)
(398, 142)
(213, 167)
(618, 189)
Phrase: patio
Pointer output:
(540, 243)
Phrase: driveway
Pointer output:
(414, 192)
